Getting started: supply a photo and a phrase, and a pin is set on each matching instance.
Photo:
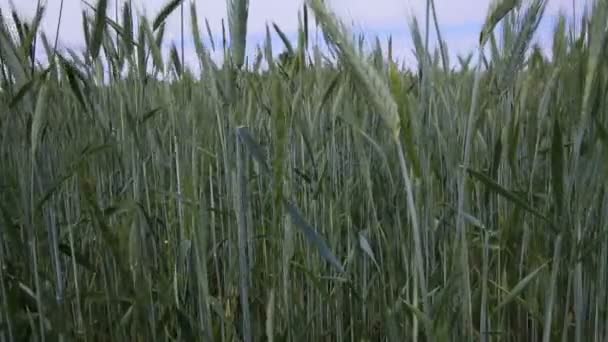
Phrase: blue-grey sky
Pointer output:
(460, 20)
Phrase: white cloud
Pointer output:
(373, 16)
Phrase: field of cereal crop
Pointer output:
(326, 195)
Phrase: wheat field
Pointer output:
(328, 194)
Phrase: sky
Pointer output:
(460, 21)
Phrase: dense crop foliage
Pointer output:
(323, 195)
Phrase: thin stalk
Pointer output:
(33, 244)
(5, 317)
(57, 30)
(241, 207)
(444, 53)
(483, 324)
(417, 241)
(181, 260)
(460, 224)
(552, 289)
(181, 9)
(56, 262)
(79, 318)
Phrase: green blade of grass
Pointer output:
(39, 116)
(254, 148)
(28, 43)
(153, 44)
(557, 166)
(517, 289)
(238, 12)
(127, 24)
(165, 12)
(196, 36)
(367, 248)
(99, 26)
(25, 88)
(284, 39)
(500, 8)
(509, 195)
(313, 237)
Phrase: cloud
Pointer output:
(460, 20)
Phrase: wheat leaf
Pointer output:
(127, 23)
(499, 9)
(21, 93)
(254, 148)
(312, 236)
(238, 11)
(557, 165)
(196, 35)
(98, 28)
(509, 195)
(37, 121)
(165, 12)
(284, 38)
(367, 248)
(519, 287)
